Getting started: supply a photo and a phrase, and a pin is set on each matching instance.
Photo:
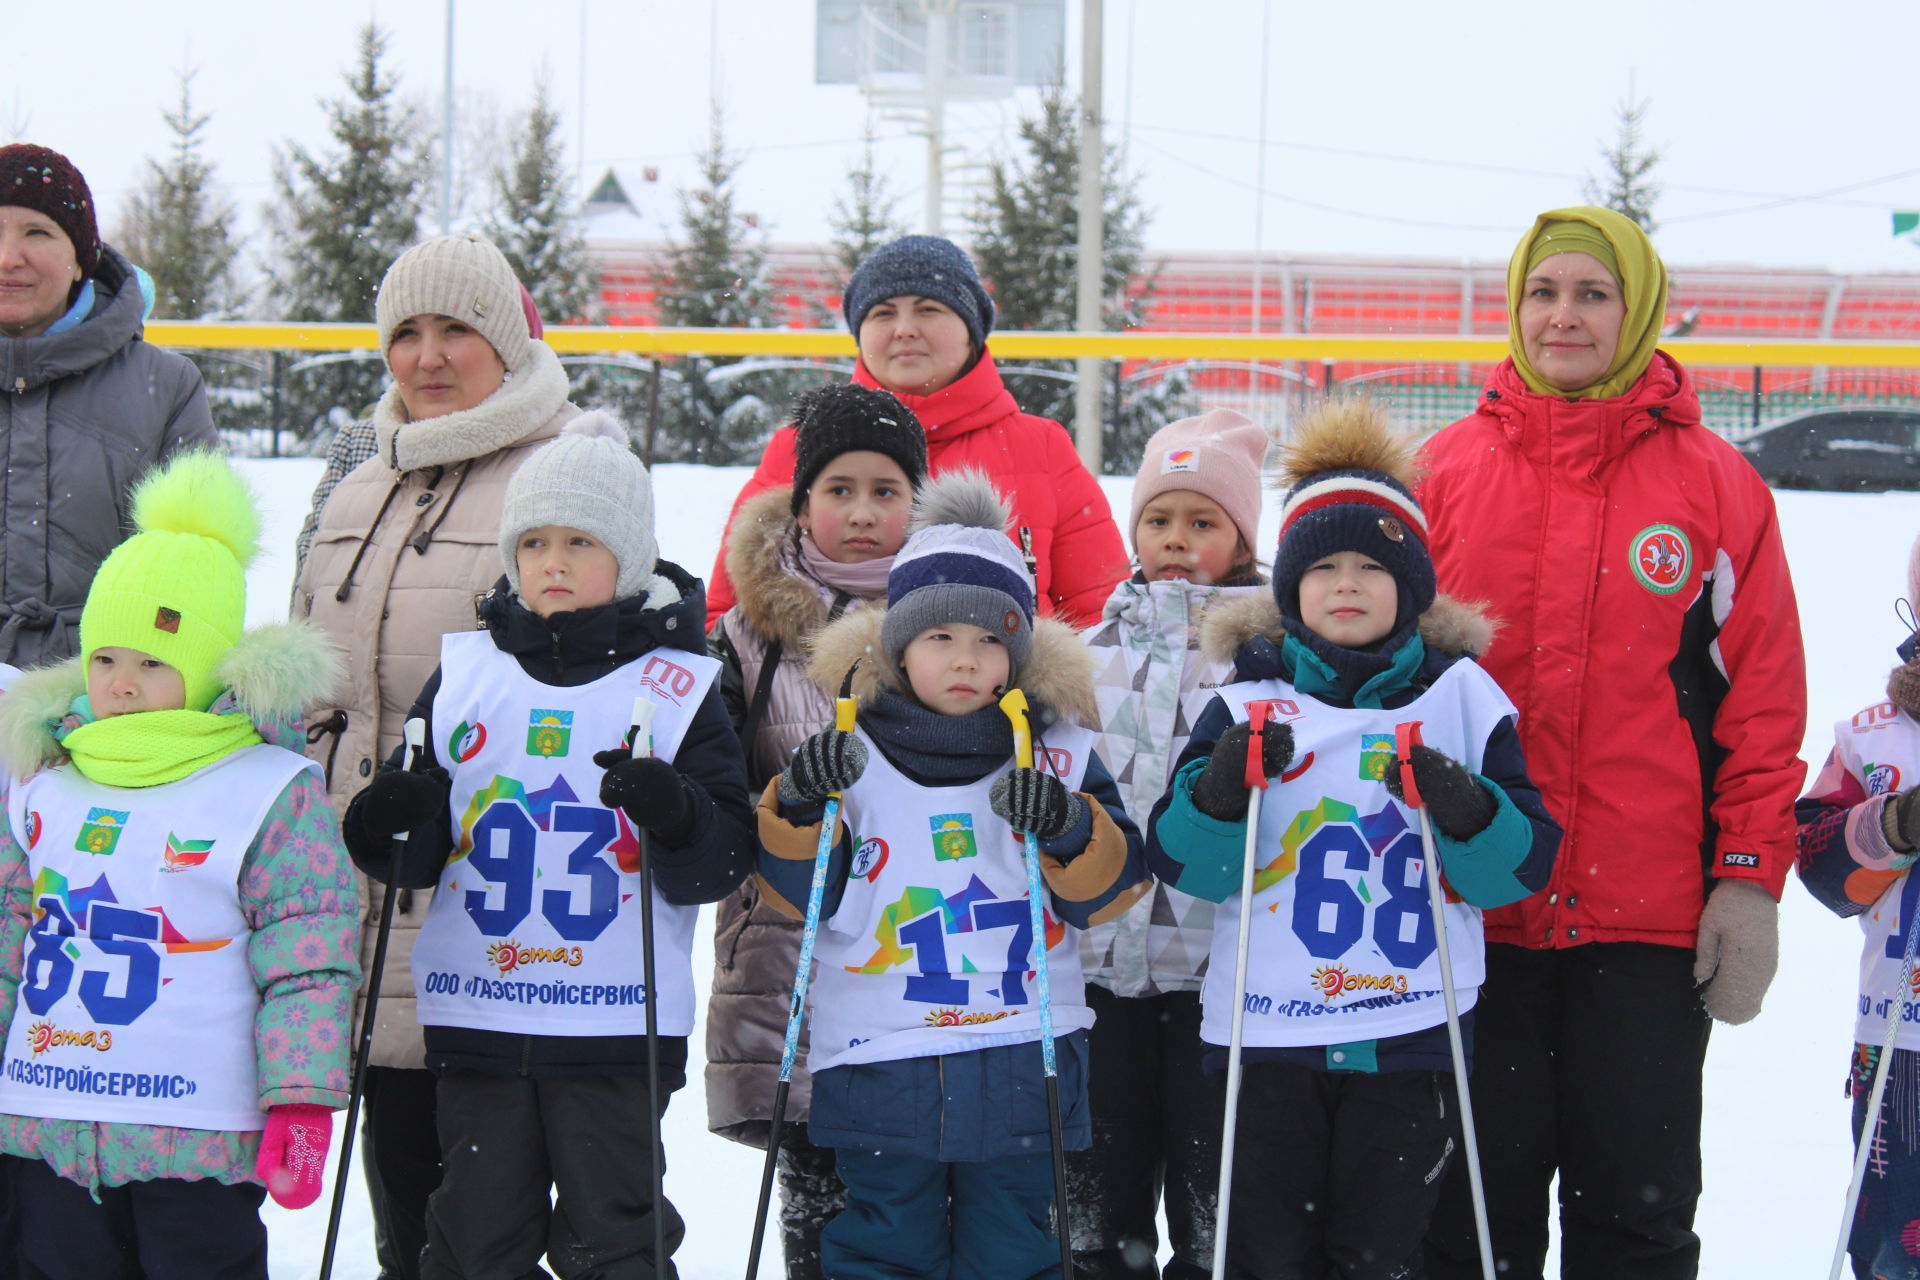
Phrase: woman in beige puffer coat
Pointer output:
(400, 550)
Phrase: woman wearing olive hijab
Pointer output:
(1652, 646)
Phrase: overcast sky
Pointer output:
(1396, 127)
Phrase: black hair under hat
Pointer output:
(845, 416)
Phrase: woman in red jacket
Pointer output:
(1653, 648)
(921, 317)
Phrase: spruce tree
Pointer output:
(339, 220)
(714, 275)
(1625, 186)
(178, 226)
(863, 217)
(1026, 242)
(534, 220)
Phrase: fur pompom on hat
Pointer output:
(464, 277)
(843, 417)
(177, 589)
(43, 180)
(588, 478)
(958, 565)
(1349, 476)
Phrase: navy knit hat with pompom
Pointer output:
(958, 565)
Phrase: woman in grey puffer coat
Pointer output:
(799, 558)
(88, 406)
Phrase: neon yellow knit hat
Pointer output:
(177, 589)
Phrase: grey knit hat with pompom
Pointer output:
(959, 565)
(589, 479)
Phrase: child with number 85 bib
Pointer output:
(1346, 1116)
(924, 1017)
(179, 941)
(527, 813)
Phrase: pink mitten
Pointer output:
(293, 1153)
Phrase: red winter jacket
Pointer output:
(973, 422)
(1651, 643)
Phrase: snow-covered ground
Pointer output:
(1776, 1123)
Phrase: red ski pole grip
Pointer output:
(1258, 714)
(1405, 738)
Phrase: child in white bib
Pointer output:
(177, 964)
(1346, 1118)
(924, 1021)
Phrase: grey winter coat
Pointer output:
(756, 947)
(1152, 682)
(404, 548)
(85, 413)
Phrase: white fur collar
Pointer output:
(520, 407)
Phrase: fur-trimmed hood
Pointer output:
(1058, 677)
(524, 407)
(778, 605)
(271, 675)
(1457, 628)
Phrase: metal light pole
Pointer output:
(446, 135)
(1087, 416)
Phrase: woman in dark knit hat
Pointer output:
(88, 406)
(922, 318)
(1653, 649)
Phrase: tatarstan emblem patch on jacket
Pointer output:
(1661, 557)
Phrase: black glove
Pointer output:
(831, 760)
(1221, 790)
(1900, 822)
(1459, 806)
(646, 788)
(396, 803)
(1035, 803)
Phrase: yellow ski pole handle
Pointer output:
(1014, 704)
(843, 709)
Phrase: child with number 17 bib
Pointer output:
(530, 817)
(1859, 835)
(177, 957)
(1346, 1117)
(924, 1017)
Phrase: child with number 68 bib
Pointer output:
(1859, 835)
(529, 817)
(1346, 1117)
(924, 1010)
(177, 957)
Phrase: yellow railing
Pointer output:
(1420, 349)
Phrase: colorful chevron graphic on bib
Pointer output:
(957, 916)
(538, 804)
(77, 906)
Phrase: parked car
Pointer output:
(1846, 449)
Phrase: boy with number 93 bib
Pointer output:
(927, 1071)
(528, 815)
(178, 942)
(1346, 1116)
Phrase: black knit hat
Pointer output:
(1349, 473)
(921, 267)
(844, 416)
(43, 180)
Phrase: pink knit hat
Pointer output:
(1219, 455)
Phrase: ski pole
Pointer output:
(1258, 714)
(414, 734)
(1014, 704)
(640, 743)
(1407, 737)
(1902, 992)
(843, 715)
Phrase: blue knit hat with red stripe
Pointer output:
(959, 565)
(1350, 475)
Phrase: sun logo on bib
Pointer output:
(548, 732)
(101, 831)
(952, 836)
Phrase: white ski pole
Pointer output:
(1258, 714)
(844, 709)
(1902, 992)
(414, 734)
(1408, 737)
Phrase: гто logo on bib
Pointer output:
(1661, 556)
